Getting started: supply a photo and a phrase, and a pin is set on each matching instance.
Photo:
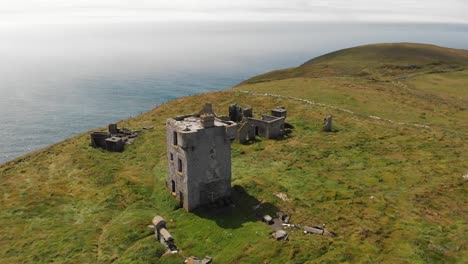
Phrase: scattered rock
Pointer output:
(255, 207)
(195, 260)
(268, 219)
(317, 230)
(313, 230)
(283, 217)
(283, 196)
(280, 235)
(327, 124)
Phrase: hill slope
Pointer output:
(377, 62)
(388, 181)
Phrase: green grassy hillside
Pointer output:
(389, 180)
(383, 62)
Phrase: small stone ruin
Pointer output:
(277, 224)
(235, 113)
(267, 220)
(280, 235)
(268, 126)
(327, 123)
(162, 235)
(114, 140)
(318, 230)
(281, 222)
(195, 260)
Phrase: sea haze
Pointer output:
(60, 80)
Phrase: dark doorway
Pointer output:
(181, 199)
(179, 165)
(256, 131)
(173, 186)
(174, 138)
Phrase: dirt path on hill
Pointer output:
(305, 101)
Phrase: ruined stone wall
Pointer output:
(327, 123)
(246, 132)
(231, 131)
(209, 167)
(269, 118)
(235, 113)
(275, 126)
(98, 139)
(259, 127)
(174, 153)
(279, 112)
(269, 127)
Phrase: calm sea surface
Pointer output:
(60, 80)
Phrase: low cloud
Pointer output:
(72, 11)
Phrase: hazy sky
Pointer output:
(84, 11)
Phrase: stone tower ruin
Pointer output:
(199, 157)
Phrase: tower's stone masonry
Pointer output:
(199, 155)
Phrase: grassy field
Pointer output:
(389, 180)
(380, 62)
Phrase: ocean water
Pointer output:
(59, 80)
